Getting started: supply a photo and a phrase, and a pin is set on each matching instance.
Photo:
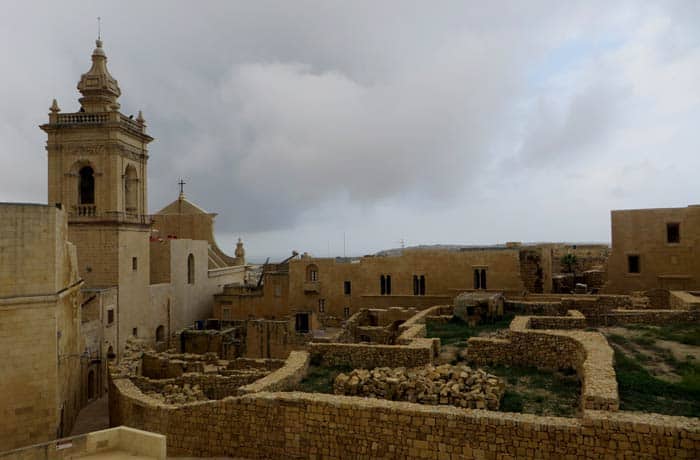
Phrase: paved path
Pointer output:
(93, 417)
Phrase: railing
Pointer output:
(89, 212)
(86, 210)
(82, 118)
(132, 124)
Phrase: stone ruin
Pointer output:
(459, 386)
(476, 307)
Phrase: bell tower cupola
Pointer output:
(100, 90)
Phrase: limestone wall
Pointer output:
(418, 353)
(573, 320)
(302, 425)
(284, 378)
(586, 352)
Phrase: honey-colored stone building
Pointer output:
(42, 357)
(655, 249)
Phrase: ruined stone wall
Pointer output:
(586, 352)
(287, 376)
(302, 425)
(272, 339)
(418, 353)
(214, 386)
(573, 320)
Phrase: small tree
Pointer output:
(569, 262)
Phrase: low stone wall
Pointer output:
(586, 352)
(303, 425)
(651, 317)
(421, 317)
(534, 307)
(419, 352)
(684, 300)
(284, 378)
(213, 386)
(573, 320)
(410, 334)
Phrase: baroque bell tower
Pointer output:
(97, 161)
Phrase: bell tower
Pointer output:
(97, 160)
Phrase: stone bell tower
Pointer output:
(97, 171)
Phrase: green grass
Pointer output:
(641, 391)
(534, 391)
(456, 331)
(320, 379)
(686, 333)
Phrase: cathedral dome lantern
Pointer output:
(100, 90)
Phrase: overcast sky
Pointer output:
(432, 122)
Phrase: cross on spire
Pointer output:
(182, 187)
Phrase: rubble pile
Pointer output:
(459, 386)
(174, 394)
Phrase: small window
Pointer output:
(480, 278)
(321, 305)
(312, 273)
(190, 269)
(135, 332)
(346, 312)
(226, 314)
(385, 285)
(347, 287)
(673, 233)
(110, 316)
(416, 287)
(421, 285)
(278, 290)
(633, 264)
(134, 263)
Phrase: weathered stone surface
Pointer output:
(459, 386)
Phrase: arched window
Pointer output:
(311, 273)
(160, 333)
(190, 269)
(86, 187)
(130, 189)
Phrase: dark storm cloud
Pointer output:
(276, 112)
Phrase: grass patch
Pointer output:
(533, 391)
(686, 333)
(457, 332)
(641, 391)
(320, 379)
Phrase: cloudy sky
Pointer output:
(432, 122)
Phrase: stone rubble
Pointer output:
(459, 386)
(174, 394)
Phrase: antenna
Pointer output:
(402, 242)
(99, 28)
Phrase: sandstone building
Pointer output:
(655, 248)
(42, 359)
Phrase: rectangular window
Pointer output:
(633, 264)
(226, 314)
(134, 263)
(278, 290)
(673, 233)
(321, 305)
(346, 312)
(110, 316)
(416, 286)
(421, 285)
(347, 287)
(388, 284)
(135, 332)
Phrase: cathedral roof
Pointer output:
(183, 206)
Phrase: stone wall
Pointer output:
(303, 425)
(284, 378)
(573, 320)
(418, 352)
(586, 352)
